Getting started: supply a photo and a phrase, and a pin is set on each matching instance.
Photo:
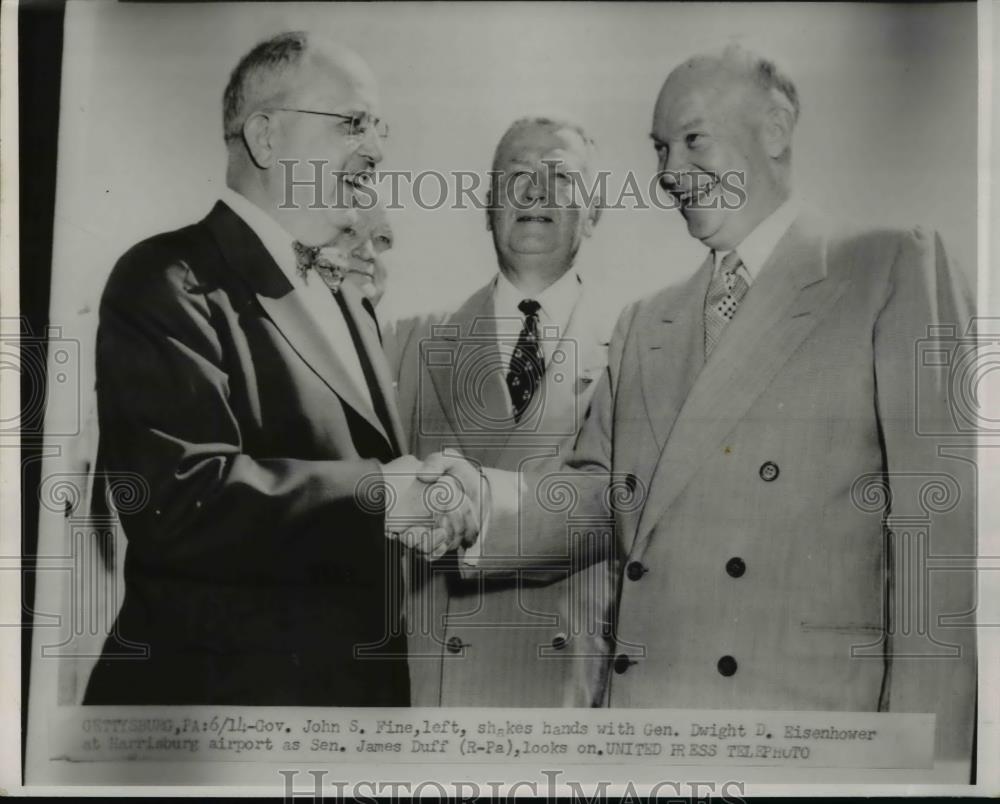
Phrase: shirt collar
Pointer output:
(557, 300)
(272, 234)
(757, 247)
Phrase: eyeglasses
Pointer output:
(360, 123)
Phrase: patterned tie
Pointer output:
(726, 291)
(526, 364)
(309, 257)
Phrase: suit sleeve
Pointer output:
(529, 510)
(213, 510)
(932, 484)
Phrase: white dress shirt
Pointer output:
(557, 302)
(315, 296)
(757, 247)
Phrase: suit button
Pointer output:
(559, 641)
(622, 663)
(736, 567)
(635, 570)
(455, 645)
(769, 471)
(727, 666)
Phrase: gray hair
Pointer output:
(259, 78)
(590, 147)
(550, 122)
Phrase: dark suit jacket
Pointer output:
(254, 573)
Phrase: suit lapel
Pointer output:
(368, 330)
(673, 352)
(570, 367)
(467, 371)
(247, 256)
(783, 306)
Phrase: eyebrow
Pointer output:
(697, 122)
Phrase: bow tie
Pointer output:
(309, 257)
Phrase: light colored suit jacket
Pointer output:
(793, 492)
(538, 636)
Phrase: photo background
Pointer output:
(887, 136)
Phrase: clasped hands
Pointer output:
(436, 505)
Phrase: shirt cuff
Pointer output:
(501, 503)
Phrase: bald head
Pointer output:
(736, 72)
(722, 128)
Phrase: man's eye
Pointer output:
(383, 241)
(695, 140)
(350, 231)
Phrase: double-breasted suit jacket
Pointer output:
(792, 486)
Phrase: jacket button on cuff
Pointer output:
(455, 645)
(769, 471)
(559, 641)
(635, 570)
(727, 666)
(736, 566)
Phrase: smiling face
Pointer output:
(709, 133)
(536, 215)
(338, 83)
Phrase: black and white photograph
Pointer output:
(591, 398)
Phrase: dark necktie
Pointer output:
(309, 258)
(524, 378)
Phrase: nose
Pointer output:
(366, 251)
(536, 189)
(671, 169)
(371, 146)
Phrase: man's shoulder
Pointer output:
(164, 261)
(856, 244)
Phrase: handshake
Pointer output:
(434, 506)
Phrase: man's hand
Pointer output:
(432, 507)
(438, 466)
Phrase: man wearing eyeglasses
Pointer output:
(242, 378)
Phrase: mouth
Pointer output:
(699, 195)
(534, 219)
(361, 178)
(368, 272)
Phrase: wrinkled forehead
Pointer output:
(532, 144)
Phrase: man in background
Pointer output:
(242, 379)
(506, 380)
(367, 242)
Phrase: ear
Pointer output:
(258, 134)
(777, 131)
